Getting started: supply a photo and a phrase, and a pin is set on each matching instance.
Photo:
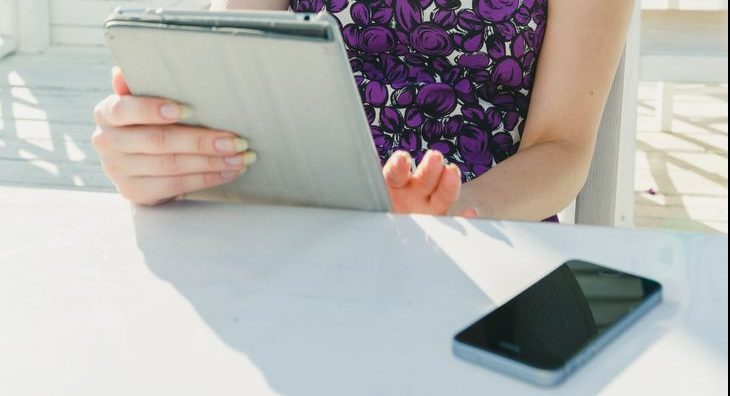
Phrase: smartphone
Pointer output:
(551, 329)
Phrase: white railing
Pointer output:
(36, 24)
(696, 5)
(683, 41)
(8, 29)
(24, 23)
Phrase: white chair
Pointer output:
(607, 199)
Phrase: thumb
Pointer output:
(118, 83)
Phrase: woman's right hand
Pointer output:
(151, 159)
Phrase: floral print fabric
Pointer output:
(447, 75)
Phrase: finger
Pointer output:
(397, 171)
(447, 191)
(150, 190)
(471, 213)
(127, 110)
(175, 139)
(119, 84)
(177, 164)
(429, 171)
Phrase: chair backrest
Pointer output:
(607, 199)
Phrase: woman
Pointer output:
(508, 93)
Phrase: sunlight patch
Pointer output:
(39, 163)
(25, 94)
(37, 133)
(78, 182)
(73, 151)
(23, 111)
(15, 80)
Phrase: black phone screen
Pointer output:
(551, 321)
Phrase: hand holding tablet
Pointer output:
(280, 80)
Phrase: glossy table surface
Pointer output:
(101, 298)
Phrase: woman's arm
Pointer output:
(220, 5)
(579, 57)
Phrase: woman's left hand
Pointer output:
(432, 189)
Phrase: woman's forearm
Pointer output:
(532, 185)
(222, 5)
(582, 47)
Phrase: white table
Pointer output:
(97, 298)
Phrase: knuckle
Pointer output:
(170, 163)
(177, 185)
(201, 143)
(215, 163)
(210, 179)
(157, 140)
(113, 108)
(99, 114)
(99, 140)
(110, 168)
(101, 110)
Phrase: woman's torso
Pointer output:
(447, 75)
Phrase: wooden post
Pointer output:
(33, 25)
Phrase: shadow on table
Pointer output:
(317, 299)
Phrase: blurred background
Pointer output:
(54, 69)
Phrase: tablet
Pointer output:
(281, 80)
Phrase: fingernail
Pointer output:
(231, 145)
(229, 175)
(249, 157)
(241, 145)
(236, 160)
(174, 111)
(116, 70)
(171, 111)
(185, 112)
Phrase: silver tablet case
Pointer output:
(282, 80)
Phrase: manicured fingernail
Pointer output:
(171, 111)
(116, 70)
(174, 111)
(231, 145)
(249, 157)
(236, 160)
(241, 145)
(229, 175)
(185, 112)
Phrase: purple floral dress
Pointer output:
(447, 75)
